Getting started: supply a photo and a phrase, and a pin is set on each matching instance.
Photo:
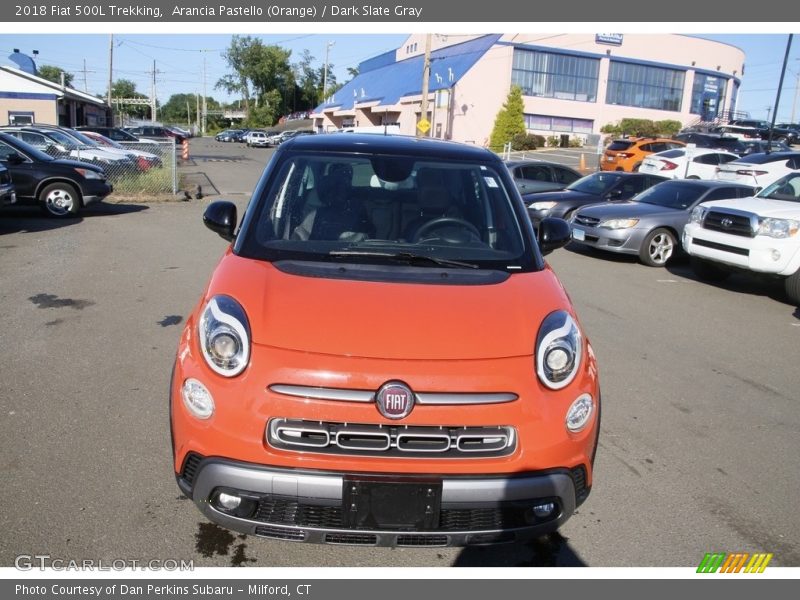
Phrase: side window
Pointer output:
(5, 151)
(35, 140)
(673, 146)
(565, 176)
(726, 158)
(536, 173)
(793, 163)
(707, 159)
(745, 192)
(647, 147)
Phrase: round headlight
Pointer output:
(579, 413)
(197, 399)
(558, 350)
(224, 334)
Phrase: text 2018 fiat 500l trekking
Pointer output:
(382, 356)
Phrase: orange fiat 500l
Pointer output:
(383, 357)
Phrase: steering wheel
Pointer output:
(444, 222)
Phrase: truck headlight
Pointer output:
(698, 214)
(618, 223)
(778, 228)
(558, 350)
(224, 336)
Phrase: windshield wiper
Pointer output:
(408, 257)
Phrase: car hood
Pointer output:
(76, 164)
(562, 196)
(783, 209)
(618, 210)
(389, 320)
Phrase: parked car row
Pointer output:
(60, 186)
(258, 138)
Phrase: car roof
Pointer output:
(706, 183)
(376, 143)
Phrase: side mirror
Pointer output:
(220, 217)
(553, 234)
(15, 158)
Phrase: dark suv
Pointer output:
(779, 134)
(62, 187)
(156, 132)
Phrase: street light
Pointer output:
(325, 72)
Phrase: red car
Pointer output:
(383, 357)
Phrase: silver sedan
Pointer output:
(650, 225)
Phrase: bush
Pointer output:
(643, 128)
(553, 141)
(526, 141)
(575, 142)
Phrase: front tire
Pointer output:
(658, 247)
(792, 286)
(60, 200)
(707, 271)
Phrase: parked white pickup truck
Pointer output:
(760, 234)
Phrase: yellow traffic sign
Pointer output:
(424, 125)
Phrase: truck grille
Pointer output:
(731, 223)
(390, 440)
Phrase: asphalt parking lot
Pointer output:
(700, 442)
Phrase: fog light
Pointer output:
(228, 501)
(197, 399)
(544, 510)
(776, 255)
(579, 413)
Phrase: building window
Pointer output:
(17, 117)
(565, 124)
(551, 75)
(644, 86)
(708, 96)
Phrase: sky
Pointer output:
(179, 60)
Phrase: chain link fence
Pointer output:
(137, 169)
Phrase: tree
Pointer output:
(53, 74)
(308, 81)
(260, 72)
(510, 120)
(125, 88)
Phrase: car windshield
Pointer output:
(672, 194)
(386, 209)
(787, 188)
(620, 145)
(596, 183)
(63, 139)
(87, 141)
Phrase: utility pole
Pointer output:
(426, 76)
(325, 72)
(796, 93)
(110, 69)
(85, 82)
(197, 103)
(205, 107)
(153, 107)
(778, 96)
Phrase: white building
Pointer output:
(573, 84)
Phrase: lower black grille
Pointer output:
(731, 223)
(291, 512)
(280, 534)
(299, 514)
(422, 540)
(190, 465)
(363, 539)
(579, 480)
(723, 247)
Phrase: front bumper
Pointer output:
(622, 241)
(760, 254)
(96, 192)
(309, 506)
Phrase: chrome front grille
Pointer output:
(586, 220)
(390, 440)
